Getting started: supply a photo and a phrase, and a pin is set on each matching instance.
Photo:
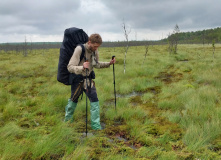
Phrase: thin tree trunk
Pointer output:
(125, 56)
(126, 33)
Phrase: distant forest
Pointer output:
(204, 37)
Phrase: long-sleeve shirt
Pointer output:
(76, 66)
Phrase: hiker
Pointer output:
(81, 67)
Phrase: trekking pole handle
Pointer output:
(84, 65)
(113, 57)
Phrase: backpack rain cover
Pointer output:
(72, 37)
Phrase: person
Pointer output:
(81, 67)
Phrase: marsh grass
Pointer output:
(176, 114)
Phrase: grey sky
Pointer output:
(148, 19)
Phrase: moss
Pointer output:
(185, 155)
(121, 130)
(148, 152)
(100, 142)
(167, 156)
(136, 99)
(216, 145)
(101, 147)
(31, 114)
(146, 140)
(170, 77)
(154, 90)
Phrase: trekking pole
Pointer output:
(114, 83)
(86, 98)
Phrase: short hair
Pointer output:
(95, 38)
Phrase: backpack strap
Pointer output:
(83, 52)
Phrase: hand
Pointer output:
(86, 65)
(112, 61)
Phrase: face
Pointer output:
(93, 46)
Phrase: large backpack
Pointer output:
(72, 37)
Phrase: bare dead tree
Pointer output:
(31, 46)
(25, 50)
(213, 44)
(7, 47)
(146, 51)
(136, 44)
(173, 40)
(170, 42)
(176, 31)
(126, 34)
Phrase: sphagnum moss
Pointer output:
(33, 101)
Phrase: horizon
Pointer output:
(103, 41)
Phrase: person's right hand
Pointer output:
(86, 65)
(112, 61)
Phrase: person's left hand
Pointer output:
(112, 61)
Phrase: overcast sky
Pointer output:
(46, 20)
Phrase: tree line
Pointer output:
(20, 47)
(203, 37)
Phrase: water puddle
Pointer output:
(118, 131)
(155, 90)
(132, 94)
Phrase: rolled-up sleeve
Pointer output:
(101, 64)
